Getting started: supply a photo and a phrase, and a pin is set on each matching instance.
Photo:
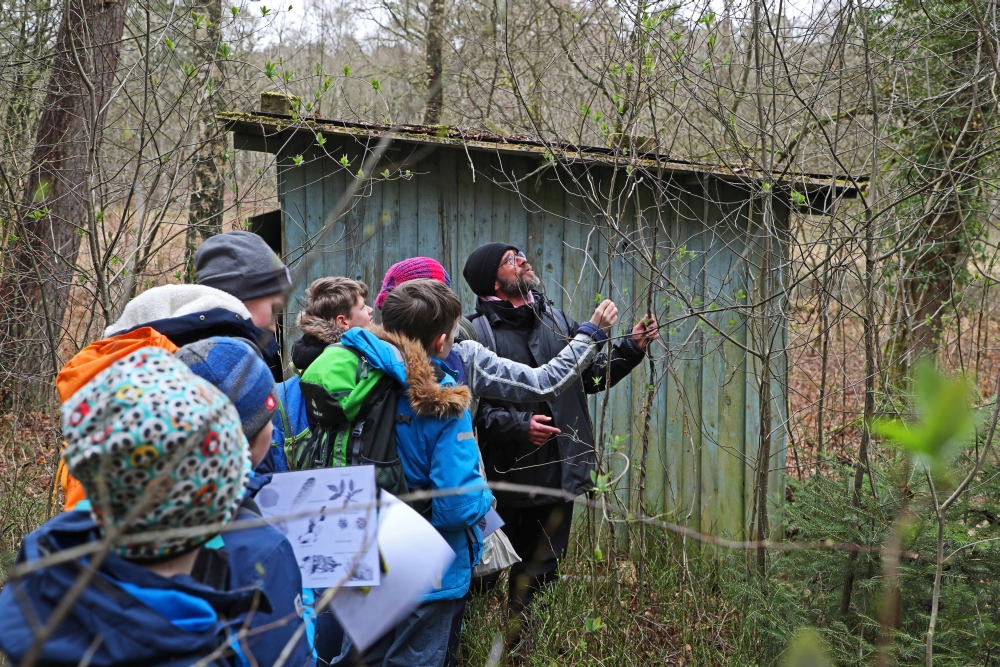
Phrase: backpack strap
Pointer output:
(485, 332)
(356, 442)
(284, 415)
(362, 372)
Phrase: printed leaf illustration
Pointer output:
(338, 491)
(347, 492)
(303, 493)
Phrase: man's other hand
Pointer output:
(538, 432)
(605, 315)
(645, 332)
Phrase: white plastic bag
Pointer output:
(498, 554)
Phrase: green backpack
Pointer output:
(351, 409)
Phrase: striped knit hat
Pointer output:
(238, 372)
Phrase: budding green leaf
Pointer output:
(944, 418)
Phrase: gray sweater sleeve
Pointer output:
(490, 376)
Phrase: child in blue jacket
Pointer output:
(259, 555)
(156, 448)
(438, 451)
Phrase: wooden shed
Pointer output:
(593, 222)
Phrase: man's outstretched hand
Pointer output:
(645, 331)
(605, 315)
(538, 432)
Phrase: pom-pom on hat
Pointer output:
(237, 370)
(481, 268)
(158, 447)
(411, 269)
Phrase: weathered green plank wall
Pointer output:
(701, 454)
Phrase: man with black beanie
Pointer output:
(549, 443)
(480, 270)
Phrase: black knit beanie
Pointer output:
(481, 268)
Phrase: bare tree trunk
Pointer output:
(763, 461)
(871, 351)
(434, 44)
(825, 333)
(930, 284)
(208, 187)
(57, 207)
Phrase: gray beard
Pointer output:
(519, 285)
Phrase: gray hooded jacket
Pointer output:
(490, 376)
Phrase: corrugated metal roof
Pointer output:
(283, 127)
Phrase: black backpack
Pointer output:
(351, 409)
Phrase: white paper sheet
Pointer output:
(416, 557)
(337, 544)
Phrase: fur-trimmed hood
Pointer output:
(406, 360)
(326, 331)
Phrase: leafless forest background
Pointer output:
(113, 167)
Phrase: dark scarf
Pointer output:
(521, 317)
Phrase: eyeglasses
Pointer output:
(512, 260)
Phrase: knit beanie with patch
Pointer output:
(241, 264)
(156, 448)
(411, 269)
(481, 268)
(237, 370)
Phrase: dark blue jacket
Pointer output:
(125, 605)
(186, 329)
(261, 556)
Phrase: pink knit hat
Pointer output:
(411, 269)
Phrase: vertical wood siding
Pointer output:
(705, 414)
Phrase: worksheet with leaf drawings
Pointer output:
(330, 519)
(416, 558)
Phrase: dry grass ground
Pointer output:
(28, 458)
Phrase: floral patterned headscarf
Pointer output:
(155, 445)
